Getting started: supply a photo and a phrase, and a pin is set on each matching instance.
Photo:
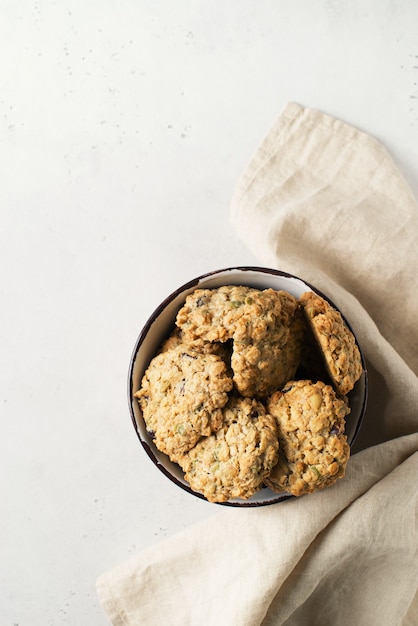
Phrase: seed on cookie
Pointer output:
(313, 447)
(181, 396)
(335, 340)
(234, 461)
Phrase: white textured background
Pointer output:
(124, 127)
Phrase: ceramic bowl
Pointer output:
(159, 326)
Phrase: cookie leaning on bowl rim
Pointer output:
(335, 340)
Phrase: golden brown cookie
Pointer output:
(261, 324)
(336, 341)
(234, 311)
(181, 396)
(234, 461)
(313, 447)
(264, 366)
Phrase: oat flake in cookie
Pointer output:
(313, 447)
(181, 396)
(335, 340)
(234, 461)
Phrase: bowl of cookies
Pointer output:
(247, 386)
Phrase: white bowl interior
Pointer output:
(162, 322)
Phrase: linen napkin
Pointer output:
(325, 201)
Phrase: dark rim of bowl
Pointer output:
(144, 332)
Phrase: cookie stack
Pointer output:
(250, 390)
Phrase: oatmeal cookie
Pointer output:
(262, 367)
(336, 341)
(181, 396)
(234, 461)
(266, 347)
(313, 447)
(235, 311)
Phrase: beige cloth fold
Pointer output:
(324, 201)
